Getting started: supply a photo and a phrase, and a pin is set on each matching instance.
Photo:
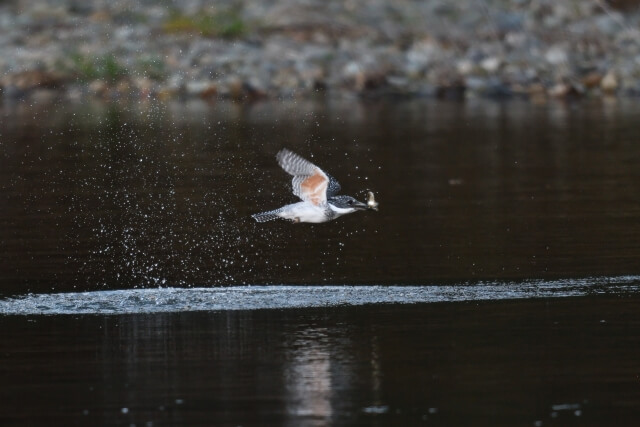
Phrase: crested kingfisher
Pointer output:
(317, 190)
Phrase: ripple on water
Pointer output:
(159, 300)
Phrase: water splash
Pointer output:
(163, 300)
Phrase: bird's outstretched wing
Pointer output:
(334, 186)
(309, 182)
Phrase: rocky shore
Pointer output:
(247, 50)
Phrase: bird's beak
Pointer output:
(360, 206)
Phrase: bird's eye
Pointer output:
(350, 202)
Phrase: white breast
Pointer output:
(304, 212)
(341, 211)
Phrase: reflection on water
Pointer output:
(161, 194)
(308, 377)
(516, 362)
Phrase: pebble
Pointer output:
(285, 48)
(556, 55)
(491, 64)
(609, 83)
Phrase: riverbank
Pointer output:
(245, 50)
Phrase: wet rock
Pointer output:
(98, 87)
(453, 90)
(491, 87)
(476, 84)
(559, 14)
(537, 93)
(201, 88)
(516, 39)
(556, 55)
(123, 89)
(566, 90)
(509, 21)
(592, 80)
(43, 95)
(75, 92)
(466, 67)
(240, 90)
(609, 83)
(357, 77)
(491, 64)
(624, 4)
(144, 87)
(610, 23)
(422, 54)
(32, 79)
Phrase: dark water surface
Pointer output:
(564, 361)
(135, 289)
(97, 197)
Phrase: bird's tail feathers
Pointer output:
(266, 216)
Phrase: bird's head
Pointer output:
(347, 203)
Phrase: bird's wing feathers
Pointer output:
(309, 182)
(334, 186)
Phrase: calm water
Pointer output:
(560, 361)
(135, 289)
(101, 198)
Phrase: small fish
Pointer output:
(371, 201)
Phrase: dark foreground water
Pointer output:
(563, 361)
(497, 285)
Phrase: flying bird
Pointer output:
(317, 190)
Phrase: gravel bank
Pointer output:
(248, 50)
